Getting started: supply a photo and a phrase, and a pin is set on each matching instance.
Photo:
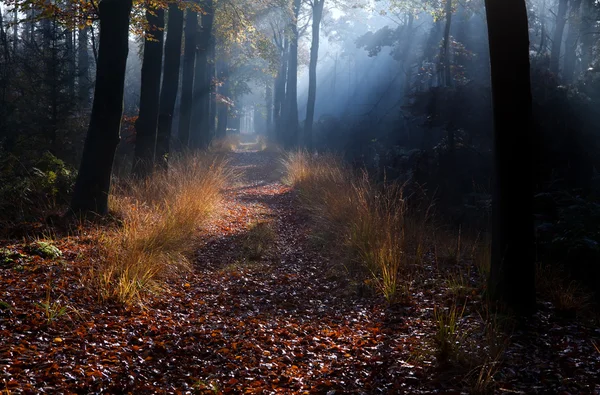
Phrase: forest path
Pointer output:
(283, 321)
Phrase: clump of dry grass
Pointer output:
(159, 217)
(373, 223)
(567, 296)
(227, 144)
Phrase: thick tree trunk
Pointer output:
(446, 54)
(200, 128)
(147, 122)
(93, 181)
(170, 83)
(512, 278)
(83, 65)
(571, 42)
(187, 84)
(291, 106)
(312, 72)
(561, 21)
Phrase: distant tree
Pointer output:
(290, 107)
(200, 127)
(512, 278)
(317, 15)
(147, 122)
(559, 29)
(571, 41)
(187, 78)
(170, 82)
(93, 180)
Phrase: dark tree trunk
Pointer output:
(147, 122)
(572, 41)
(187, 83)
(93, 181)
(446, 54)
(561, 21)
(83, 65)
(312, 72)
(291, 106)
(512, 279)
(200, 128)
(170, 83)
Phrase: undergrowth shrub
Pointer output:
(158, 218)
(373, 223)
(33, 186)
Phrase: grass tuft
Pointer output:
(372, 222)
(226, 144)
(159, 217)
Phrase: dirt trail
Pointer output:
(282, 322)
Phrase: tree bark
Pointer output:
(291, 106)
(512, 279)
(170, 83)
(147, 122)
(312, 72)
(187, 84)
(93, 180)
(561, 21)
(200, 129)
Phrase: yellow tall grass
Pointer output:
(160, 217)
(372, 222)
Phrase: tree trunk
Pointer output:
(147, 122)
(512, 279)
(83, 65)
(291, 106)
(312, 72)
(222, 106)
(446, 55)
(170, 83)
(587, 33)
(200, 128)
(269, 104)
(187, 84)
(561, 20)
(571, 42)
(93, 181)
(212, 75)
(279, 95)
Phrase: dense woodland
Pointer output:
(299, 196)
